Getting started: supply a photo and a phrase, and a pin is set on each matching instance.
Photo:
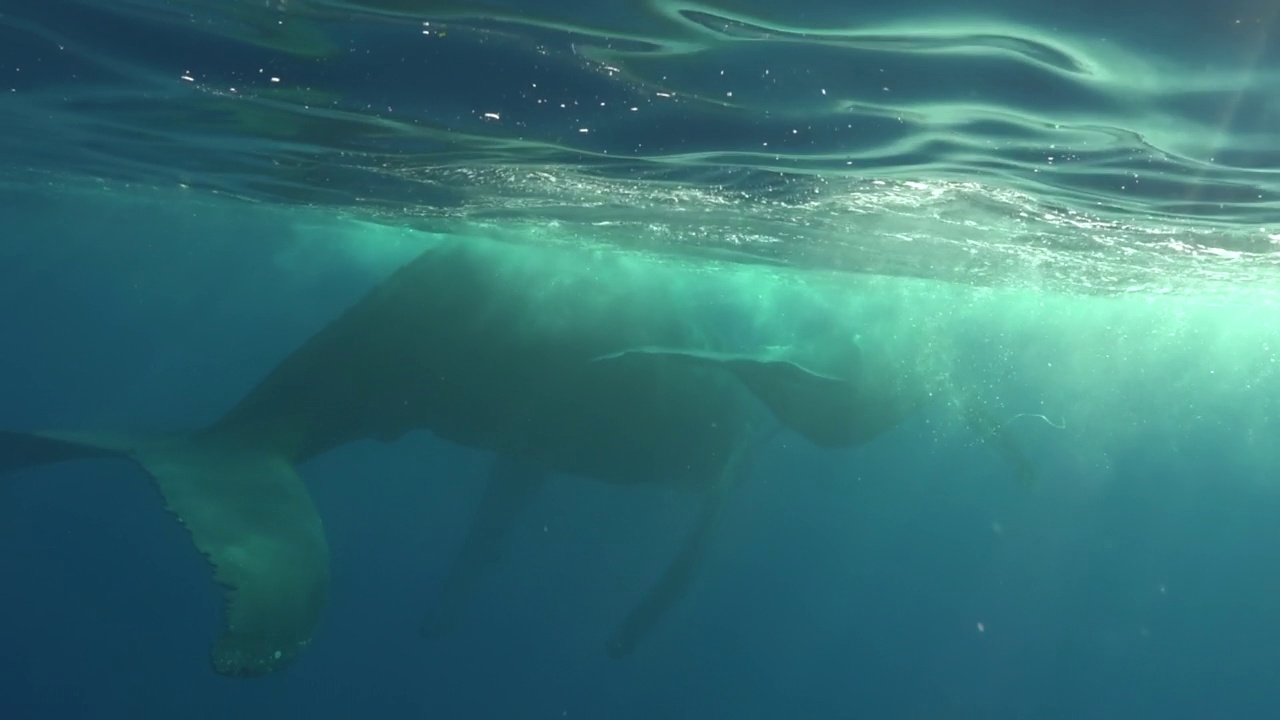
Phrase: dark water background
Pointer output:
(157, 259)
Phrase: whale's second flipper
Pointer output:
(673, 584)
(675, 581)
(248, 513)
(511, 485)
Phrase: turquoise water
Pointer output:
(1105, 146)
(1063, 214)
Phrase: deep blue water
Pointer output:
(174, 222)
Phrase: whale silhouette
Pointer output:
(557, 359)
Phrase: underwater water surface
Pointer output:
(1065, 214)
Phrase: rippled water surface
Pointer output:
(1091, 146)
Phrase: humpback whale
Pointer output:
(557, 359)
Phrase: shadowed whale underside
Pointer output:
(560, 360)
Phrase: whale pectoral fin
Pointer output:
(248, 513)
(671, 587)
(675, 581)
(511, 486)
